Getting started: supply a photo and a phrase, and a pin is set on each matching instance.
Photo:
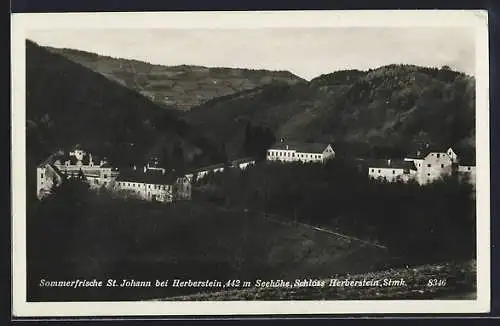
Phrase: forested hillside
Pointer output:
(395, 106)
(67, 104)
(179, 87)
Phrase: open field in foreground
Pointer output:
(186, 240)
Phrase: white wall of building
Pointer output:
(434, 166)
(291, 155)
(146, 191)
(391, 174)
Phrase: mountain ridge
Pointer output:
(179, 86)
(399, 106)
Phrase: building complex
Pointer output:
(424, 167)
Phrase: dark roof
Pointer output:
(422, 153)
(210, 167)
(465, 156)
(301, 147)
(392, 164)
(243, 160)
(148, 177)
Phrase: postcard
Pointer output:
(250, 163)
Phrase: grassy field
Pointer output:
(448, 281)
(147, 241)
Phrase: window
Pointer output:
(438, 155)
(293, 154)
(442, 166)
(378, 171)
(96, 181)
(393, 172)
(41, 175)
(428, 174)
(149, 186)
(468, 168)
(105, 176)
(373, 170)
(428, 165)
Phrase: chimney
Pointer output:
(389, 162)
(145, 169)
(286, 146)
(282, 139)
(134, 168)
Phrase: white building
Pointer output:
(202, 172)
(58, 166)
(430, 165)
(300, 152)
(242, 163)
(393, 170)
(150, 183)
(153, 186)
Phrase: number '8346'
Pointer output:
(436, 282)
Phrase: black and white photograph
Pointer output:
(231, 162)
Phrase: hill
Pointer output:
(68, 104)
(180, 87)
(400, 106)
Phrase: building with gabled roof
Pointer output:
(306, 152)
(392, 170)
(430, 164)
(153, 186)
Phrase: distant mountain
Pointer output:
(180, 87)
(68, 104)
(398, 106)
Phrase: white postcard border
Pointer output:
(21, 23)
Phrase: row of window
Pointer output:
(405, 171)
(132, 184)
(292, 154)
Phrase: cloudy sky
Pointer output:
(306, 52)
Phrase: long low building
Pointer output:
(393, 170)
(202, 172)
(285, 151)
(153, 186)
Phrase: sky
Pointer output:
(306, 52)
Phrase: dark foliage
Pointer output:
(257, 140)
(421, 224)
(395, 107)
(67, 104)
